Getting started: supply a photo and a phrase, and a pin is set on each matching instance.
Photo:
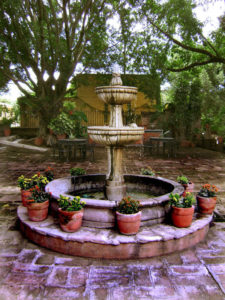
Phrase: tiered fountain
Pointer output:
(116, 135)
(98, 237)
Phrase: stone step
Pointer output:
(108, 243)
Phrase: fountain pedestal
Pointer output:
(115, 186)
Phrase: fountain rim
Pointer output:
(178, 188)
(117, 129)
(116, 87)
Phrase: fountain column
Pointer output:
(115, 186)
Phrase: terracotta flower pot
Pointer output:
(189, 187)
(182, 217)
(128, 224)
(25, 195)
(70, 221)
(7, 131)
(37, 212)
(38, 141)
(206, 205)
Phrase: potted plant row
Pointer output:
(182, 209)
(206, 198)
(128, 216)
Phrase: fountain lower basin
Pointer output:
(101, 213)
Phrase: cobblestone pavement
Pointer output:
(28, 271)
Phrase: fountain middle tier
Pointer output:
(113, 136)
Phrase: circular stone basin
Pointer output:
(116, 94)
(109, 136)
(101, 213)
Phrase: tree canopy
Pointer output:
(42, 43)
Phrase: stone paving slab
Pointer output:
(29, 272)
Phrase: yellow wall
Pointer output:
(88, 102)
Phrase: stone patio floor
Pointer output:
(28, 271)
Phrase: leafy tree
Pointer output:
(42, 43)
(184, 110)
(213, 97)
(175, 21)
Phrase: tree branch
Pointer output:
(195, 64)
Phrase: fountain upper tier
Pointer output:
(116, 133)
(116, 95)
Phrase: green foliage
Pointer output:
(39, 180)
(182, 179)
(62, 124)
(69, 106)
(184, 110)
(49, 173)
(77, 171)
(38, 195)
(148, 171)
(179, 201)
(213, 97)
(24, 183)
(208, 190)
(36, 180)
(128, 206)
(70, 205)
(6, 121)
(39, 40)
(79, 130)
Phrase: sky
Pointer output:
(208, 14)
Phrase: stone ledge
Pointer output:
(108, 243)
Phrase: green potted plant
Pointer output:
(62, 125)
(37, 205)
(6, 123)
(182, 209)
(206, 198)
(70, 213)
(148, 171)
(128, 216)
(77, 171)
(186, 183)
(25, 184)
(39, 180)
(78, 118)
(69, 107)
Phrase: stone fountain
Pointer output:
(97, 237)
(116, 135)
